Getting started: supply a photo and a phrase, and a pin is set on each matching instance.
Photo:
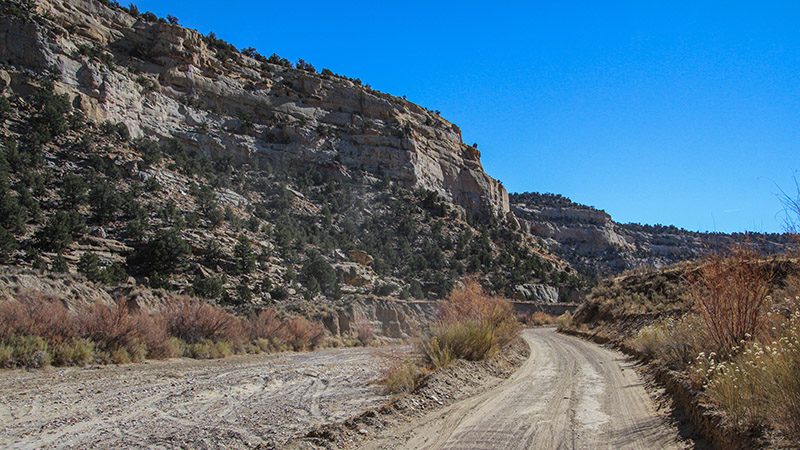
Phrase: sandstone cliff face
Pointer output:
(597, 246)
(163, 80)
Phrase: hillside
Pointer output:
(597, 246)
(141, 154)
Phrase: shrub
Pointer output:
(470, 325)
(402, 378)
(730, 294)
(77, 352)
(194, 321)
(162, 254)
(29, 351)
(60, 231)
(364, 332)
(303, 334)
(760, 386)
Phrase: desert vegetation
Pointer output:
(470, 325)
(736, 342)
(38, 331)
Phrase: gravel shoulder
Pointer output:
(242, 401)
(570, 393)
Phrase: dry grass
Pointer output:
(761, 385)
(471, 325)
(403, 378)
(674, 342)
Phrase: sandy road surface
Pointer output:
(231, 403)
(569, 394)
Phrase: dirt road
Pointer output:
(231, 403)
(569, 394)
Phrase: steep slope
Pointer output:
(138, 153)
(598, 247)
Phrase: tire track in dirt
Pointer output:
(241, 401)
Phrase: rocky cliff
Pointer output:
(598, 247)
(162, 80)
(142, 157)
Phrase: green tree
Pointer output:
(60, 231)
(8, 245)
(244, 255)
(73, 190)
(105, 200)
(162, 254)
(59, 264)
(208, 287)
(89, 266)
(319, 276)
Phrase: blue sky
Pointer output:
(684, 113)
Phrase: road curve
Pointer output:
(570, 394)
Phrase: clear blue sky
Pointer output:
(684, 113)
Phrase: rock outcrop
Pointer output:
(163, 80)
(597, 246)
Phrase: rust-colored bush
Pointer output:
(194, 321)
(730, 294)
(304, 334)
(541, 318)
(471, 325)
(34, 314)
(267, 325)
(153, 333)
(110, 326)
(364, 331)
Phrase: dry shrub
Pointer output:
(674, 342)
(35, 330)
(761, 385)
(471, 325)
(153, 334)
(304, 334)
(730, 294)
(111, 326)
(402, 378)
(364, 331)
(564, 321)
(34, 314)
(268, 331)
(193, 321)
(540, 318)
